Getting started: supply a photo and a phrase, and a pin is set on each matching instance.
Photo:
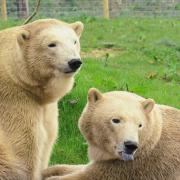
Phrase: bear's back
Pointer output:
(170, 114)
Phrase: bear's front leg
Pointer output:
(79, 175)
(61, 170)
(50, 123)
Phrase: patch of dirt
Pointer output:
(99, 53)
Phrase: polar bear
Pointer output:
(38, 62)
(129, 137)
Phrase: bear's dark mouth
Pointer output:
(71, 71)
(125, 156)
(65, 70)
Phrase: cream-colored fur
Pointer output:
(111, 119)
(33, 77)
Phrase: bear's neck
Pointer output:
(46, 90)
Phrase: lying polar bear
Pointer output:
(129, 138)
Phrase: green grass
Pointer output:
(148, 63)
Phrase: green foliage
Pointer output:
(177, 6)
(148, 63)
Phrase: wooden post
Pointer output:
(106, 8)
(22, 8)
(4, 10)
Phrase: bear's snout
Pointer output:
(74, 64)
(130, 147)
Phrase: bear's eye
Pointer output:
(52, 45)
(116, 121)
(140, 125)
(75, 42)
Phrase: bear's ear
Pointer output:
(94, 95)
(23, 36)
(148, 105)
(77, 27)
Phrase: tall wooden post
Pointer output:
(4, 10)
(22, 8)
(106, 8)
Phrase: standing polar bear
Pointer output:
(37, 65)
(129, 138)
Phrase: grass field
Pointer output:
(139, 55)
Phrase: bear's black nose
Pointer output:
(130, 146)
(74, 64)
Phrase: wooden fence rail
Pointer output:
(5, 17)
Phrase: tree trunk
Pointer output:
(4, 9)
(115, 7)
(22, 8)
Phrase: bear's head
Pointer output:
(50, 51)
(119, 125)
